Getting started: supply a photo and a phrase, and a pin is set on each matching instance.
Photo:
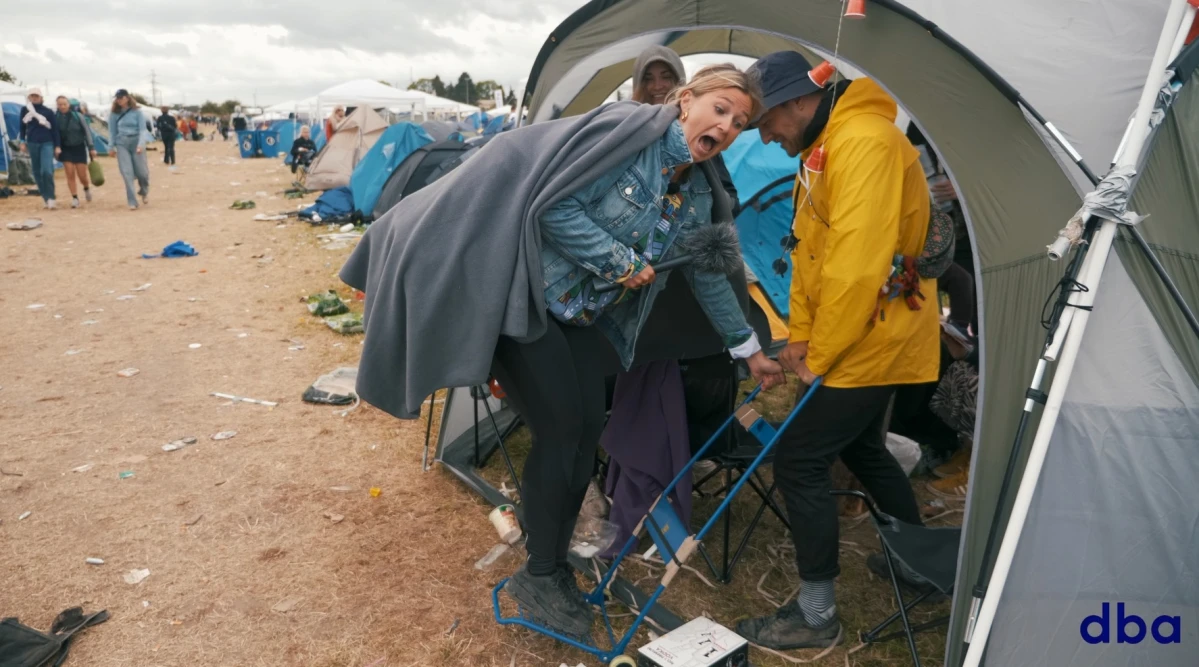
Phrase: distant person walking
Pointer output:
(76, 150)
(125, 127)
(240, 121)
(40, 138)
(166, 130)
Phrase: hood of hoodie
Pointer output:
(658, 54)
(852, 99)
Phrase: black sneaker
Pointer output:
(786, 629)
(549, 602)
(909, 581)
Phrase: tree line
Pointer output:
(466, 90)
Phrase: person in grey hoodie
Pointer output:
(126, 126)
(656, 72)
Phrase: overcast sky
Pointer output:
(234, 49)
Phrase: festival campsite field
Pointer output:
(266, 548)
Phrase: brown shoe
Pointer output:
(951, 488)
(959, 462)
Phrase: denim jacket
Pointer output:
(591, 233)
(127, 127)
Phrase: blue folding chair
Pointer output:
(669, 534)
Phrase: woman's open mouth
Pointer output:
(707, 143)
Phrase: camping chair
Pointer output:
(479, 395)
(930, 553)
(730, 462)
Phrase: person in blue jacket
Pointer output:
(40, 138)
(126, 127)
(613, 230)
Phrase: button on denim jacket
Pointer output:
(590, 234)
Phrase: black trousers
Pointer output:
(168, 150)
(846, 423)
(556, 385)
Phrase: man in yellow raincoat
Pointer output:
(861, 317)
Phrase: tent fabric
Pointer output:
(439, 130)
(370, 93)
(332, 204)
(1113, 516)
(393, 146)
(420, 168)
(1169, 190)
(766, 210)
(335, 163)
(977, 112)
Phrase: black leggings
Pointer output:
(556, 384)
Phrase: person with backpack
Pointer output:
(125, 127)
(77, 148)
(40, 138)
(863, 317)
(166, 131)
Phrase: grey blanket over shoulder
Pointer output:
(457, 264)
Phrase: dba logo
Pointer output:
(1165, 629)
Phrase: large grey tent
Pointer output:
(998, 88)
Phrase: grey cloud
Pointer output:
(392, 26)
(54, 56)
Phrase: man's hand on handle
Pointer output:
(794, 358)
(765, 370)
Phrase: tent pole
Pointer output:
(1058, 325)
(1101, 249)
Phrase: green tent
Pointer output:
(1111, 515)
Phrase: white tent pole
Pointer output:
(1183, 29)
(1067, 316)
(1100, 248)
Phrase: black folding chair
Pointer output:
(732, 465)
(930, 553)
(711, 386)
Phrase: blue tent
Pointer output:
(12, 118)
(495, 125)
(333, 205)
(12, 123)
(474, 122)
(764, 176)
(290, 129)
(396, 143)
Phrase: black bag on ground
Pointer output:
(22, 646)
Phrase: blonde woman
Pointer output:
(76, 150)
(610, 225)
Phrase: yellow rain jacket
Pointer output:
(870, 203)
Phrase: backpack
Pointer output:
(22, 646)
(937, 254)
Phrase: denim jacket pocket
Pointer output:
(623, 201)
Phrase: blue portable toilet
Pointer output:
(247, 142)
(268, 143)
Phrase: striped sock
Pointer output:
(817, 603)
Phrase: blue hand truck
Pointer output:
(669, 534)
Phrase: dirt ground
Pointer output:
(246, 567)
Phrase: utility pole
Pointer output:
(153, 88)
